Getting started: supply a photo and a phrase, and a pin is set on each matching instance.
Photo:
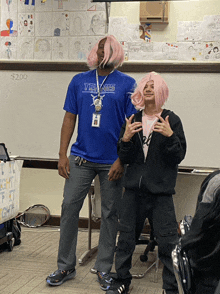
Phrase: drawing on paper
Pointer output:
(8, 2)
(61, 24)
(9, 48)
(60, 48)
(25, 48)
(26, 24)
(9, 6)
(78, 5)
(77, 49)
(97, 23)
(9, 31)
(26, 6)
(42, 49)
(43, 24)
(41, 5)
(78, 23)
(212, 51)
(59, 5)
(96, 6)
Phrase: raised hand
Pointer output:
(163, 126)
(131, 129)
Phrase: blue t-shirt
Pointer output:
(94, 144)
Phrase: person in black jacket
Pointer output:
(152, 144)
(202, 241)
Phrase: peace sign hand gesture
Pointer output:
(131, 129)
(163, 126)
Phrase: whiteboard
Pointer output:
(32, 112)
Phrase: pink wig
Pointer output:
(160, 88)
(113, 53)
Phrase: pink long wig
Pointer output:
(113, 53)
(160, 88)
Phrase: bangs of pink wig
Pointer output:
(160, 89)
(113, 53)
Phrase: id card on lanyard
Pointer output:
(96, 117)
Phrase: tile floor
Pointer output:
(24, 269)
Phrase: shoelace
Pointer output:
(107, 278)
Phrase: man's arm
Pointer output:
(67, 130)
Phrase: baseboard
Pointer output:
(54, 221)
(83, 223)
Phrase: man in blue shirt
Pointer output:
(100, 98)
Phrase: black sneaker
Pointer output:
(60, 276)
(104, 280)
(122, 289)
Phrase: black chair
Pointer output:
(151, 247)
(181, 264)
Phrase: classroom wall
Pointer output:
(45, 186)
(192, 10)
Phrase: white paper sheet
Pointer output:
(60, 47)
(42, 48)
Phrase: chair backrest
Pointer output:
(182, 270)
(181, 264)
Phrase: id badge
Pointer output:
(96, 117)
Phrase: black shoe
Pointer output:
(60, 276)
(122, 289)
(104, 280)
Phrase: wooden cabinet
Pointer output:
(154, 12)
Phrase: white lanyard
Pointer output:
(97, 81)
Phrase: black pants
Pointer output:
(205, 282)
(136, 207)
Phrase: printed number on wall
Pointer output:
(18, 77)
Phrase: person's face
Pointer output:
(95, 20)
(149, 94)
(100, 51)
(43, 46)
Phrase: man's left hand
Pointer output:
(116, 171)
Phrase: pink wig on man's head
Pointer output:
(160, 89)
(113, 53)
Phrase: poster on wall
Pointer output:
(9, 189)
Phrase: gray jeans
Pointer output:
(75, 191)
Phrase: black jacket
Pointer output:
(157, 174)
(204, 241)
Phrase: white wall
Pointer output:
(45, 186)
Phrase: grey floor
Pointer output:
(24, 269)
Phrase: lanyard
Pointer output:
(97, 81)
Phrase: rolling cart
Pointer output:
(9, 198)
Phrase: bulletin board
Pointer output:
(53, 30)
(66, 30)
